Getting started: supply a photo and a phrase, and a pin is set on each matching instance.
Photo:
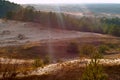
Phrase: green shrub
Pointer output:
(103, 48)
(38, 63)
(87, 50)
(110, 45)
(46, 60)
(60, 61)
(94, 71)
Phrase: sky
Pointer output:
(63, 1)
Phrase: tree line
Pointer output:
(6, 6)
(64, 21)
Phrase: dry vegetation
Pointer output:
(57, 48)
(35, 50)
(12, 69)
(72, 72)
(48, 41)
(67, 71)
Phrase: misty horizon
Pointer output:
(65, 2)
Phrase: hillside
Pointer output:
(71, 70)
(87, 23)
(32, 40)
(59, 42)
(10, 34)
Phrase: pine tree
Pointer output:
(94, 71)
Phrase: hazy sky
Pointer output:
(63, 1)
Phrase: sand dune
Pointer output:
(17, 33)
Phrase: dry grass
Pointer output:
(35, 50)
(75, 73)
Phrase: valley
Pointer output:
(59, 41)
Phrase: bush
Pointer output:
(46, 60)
(94, 71)
(38, 63)
(8, 71)
(60, 61)
(103, 48)
(21, 37)
(87, 50)
(73, 47)
(110, 45)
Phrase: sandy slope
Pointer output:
(10, 30)
(54, 68)
(14, 61)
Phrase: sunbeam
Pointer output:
(60, 18)
(50, 45)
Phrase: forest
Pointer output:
(6, 6)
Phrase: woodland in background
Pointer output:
(63, 21)
(6, 6)
(103, 25)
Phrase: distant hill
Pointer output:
(95, 8)
(6, 6)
